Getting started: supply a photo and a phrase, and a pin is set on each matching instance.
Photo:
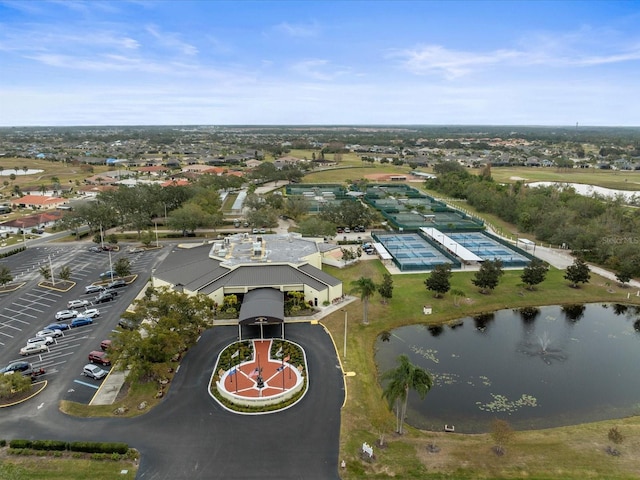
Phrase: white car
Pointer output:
(93, 289)
(47, 340)
(91, 313)
(93, 371)
(34, 348)
(49, 332)
(77, 303)
(66, 314)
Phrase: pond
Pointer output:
(19, 172)
(535, 368)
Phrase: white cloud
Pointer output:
(298, 30)
(171, 40)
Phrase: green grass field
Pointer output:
(574, 452)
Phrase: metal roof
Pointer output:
(262, 305)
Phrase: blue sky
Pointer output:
(139, 62)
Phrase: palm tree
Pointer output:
(366, 288)
(402, 379)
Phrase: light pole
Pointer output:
(157, 244)
(110, 266)
(345, 332)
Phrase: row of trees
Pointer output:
(488, 276)
(601, 230)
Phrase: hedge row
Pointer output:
(12, 252)
(87, 447)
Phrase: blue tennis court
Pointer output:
(489, 249)
(411, 252)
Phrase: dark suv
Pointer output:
(105, 297)
(117, 284)
(25, 368)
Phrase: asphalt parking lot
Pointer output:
(30, 308)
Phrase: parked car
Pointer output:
(47, 340)
(91, 313)
(100, 357)
(32, 348)
(66, 314)
(25, 368)
(95, 249)
(94, 371)
(105, 345)
(77, 303)
(93, 289)
(57, 326)
(49, 332)
(104, 297)
(108, 275)
(128, 324)
(80, 322)
(117, 284)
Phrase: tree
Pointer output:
(314, 227)
(488, 276)
(5, 275)
(65, 273)
(578, 272)
(625, 273)
(439, 280)
(45, 271)
(402, 379)
(187, 218)
(366, 288)
(122, 267)
(534, 273)
(385, 289)
(296, 207)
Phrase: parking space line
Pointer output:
(19, 312)
(27, 306)
(10, 326)
(13, 319)
(5, 334)
(87, 384)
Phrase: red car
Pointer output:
(99, 357)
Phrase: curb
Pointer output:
(44, 385)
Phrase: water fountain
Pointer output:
(542, 348)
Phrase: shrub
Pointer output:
(19, 443)
(615, 436)
(3, 443)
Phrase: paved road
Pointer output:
(189, 436)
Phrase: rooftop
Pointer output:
(243, 248)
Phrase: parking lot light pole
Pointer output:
(345, 332)
(110, 266)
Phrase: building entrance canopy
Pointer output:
(262, 306)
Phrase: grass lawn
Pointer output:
(32, 467)
(575, 452)
(604, 178)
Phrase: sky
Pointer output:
(137, 62)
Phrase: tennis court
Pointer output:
(489, 249)
(412, 252)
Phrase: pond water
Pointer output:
(535, 368)
(19, 172)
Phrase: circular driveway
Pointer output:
(189, 436)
